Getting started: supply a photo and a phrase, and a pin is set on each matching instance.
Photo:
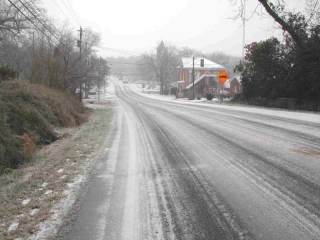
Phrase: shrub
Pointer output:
(10, 146)
(6, 73)
(209, 96)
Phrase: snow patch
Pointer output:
(48, 192)
(26, 202)
(50, 227)
(34, 211)
(13, 226)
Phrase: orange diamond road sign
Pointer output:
(223, 77)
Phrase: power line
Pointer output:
(313, 11)
(50, 25)
(73, 11)
(118, 50)
(69, 7)
(60, 9)
(45, 26)
(126, 63)
(28, 18)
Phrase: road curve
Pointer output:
(181, 171)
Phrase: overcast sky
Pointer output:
(136, 26)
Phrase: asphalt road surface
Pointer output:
(186, 171)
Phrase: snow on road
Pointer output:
(204, 171)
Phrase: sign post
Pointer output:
(223, 77)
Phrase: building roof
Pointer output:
(187, 63)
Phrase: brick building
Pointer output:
(205, 77)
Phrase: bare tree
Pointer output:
(163, 65)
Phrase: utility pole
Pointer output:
(33, 49)
(33, 45)
(99, 79)
(80, 56)
(193, 95)
(244, 10)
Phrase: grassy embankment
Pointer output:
(29, 192)
(29, 114)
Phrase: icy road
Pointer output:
(183, 171)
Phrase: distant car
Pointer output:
(125, 82)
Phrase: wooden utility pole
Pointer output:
(99, 79)
(32, 60)
(80, 57)
(193, 94)
(33, 45)
(244, 13)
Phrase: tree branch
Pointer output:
(285, 26)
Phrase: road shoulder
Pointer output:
(35, 199)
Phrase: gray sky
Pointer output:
(136, 26)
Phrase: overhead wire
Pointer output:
(44, 25)
(28, 18)
(60, 9)
(69, 8)
(73, 11)
(126, 63)
(313, 11)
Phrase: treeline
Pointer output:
(33, 48)
(285, 73)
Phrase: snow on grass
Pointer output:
(91, 140)
(26, 201)
(13, 226)
(50, 227)
(289, 114)
(51, 180)
(34, 211)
